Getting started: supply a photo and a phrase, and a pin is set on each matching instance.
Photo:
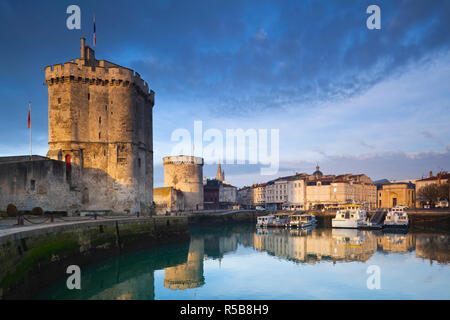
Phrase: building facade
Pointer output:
(396, 194)
(439, 179)
(259, 194)
(211, 193)
(245, 197)
(318, 191)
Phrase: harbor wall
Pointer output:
(233, 217)
(27, 253)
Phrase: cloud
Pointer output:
(309, 68)
(261, 35)
(325, 52)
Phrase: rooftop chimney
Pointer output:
(82, 55)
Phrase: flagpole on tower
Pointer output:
(95, 40)
(29, 127)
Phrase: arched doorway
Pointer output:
(394, 199)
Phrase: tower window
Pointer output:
(89, 96)
(139, 162)
(99, 120)
(59, 100)
(33, 185)
(99, 135)
(106, 108)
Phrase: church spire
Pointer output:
(220, 174)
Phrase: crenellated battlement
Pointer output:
(96, 72)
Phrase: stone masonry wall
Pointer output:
(37, 183)
(185, 173)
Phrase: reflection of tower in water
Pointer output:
(190, 274)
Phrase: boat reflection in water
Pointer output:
(316, 245)
(231, 256)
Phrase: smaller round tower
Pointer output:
(185, 173)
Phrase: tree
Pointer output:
(430, 193)
(444, 191)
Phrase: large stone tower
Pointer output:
(100, 124)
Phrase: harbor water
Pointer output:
(242, 262)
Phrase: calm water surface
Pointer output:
(241, 262)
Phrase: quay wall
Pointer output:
(233, 217)
(29, 252)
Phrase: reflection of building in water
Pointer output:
(189, 274)
(396, 242)
(138, 288)
(433, 247)
(216, 247)
(347, 245)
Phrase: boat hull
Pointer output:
(396, 226)
(344, 223)
(303, 225)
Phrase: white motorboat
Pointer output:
(265, 221)
(396, 218)
(352, 217)
(302, 221)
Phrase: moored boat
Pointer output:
(352, 217)
(396, 218)
(265, 221)
(302, 221)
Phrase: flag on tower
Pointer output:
(95, 39)
(29, 116)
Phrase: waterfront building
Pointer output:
(296, 192)
(393, 194)
(218, 193)
(276, 192)
(227, 195)
(259, 194)
(318, 191)
(211, 191)
(245, 197)
(441, 178)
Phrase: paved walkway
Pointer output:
(10, 227)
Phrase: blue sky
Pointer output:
(352, 99)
